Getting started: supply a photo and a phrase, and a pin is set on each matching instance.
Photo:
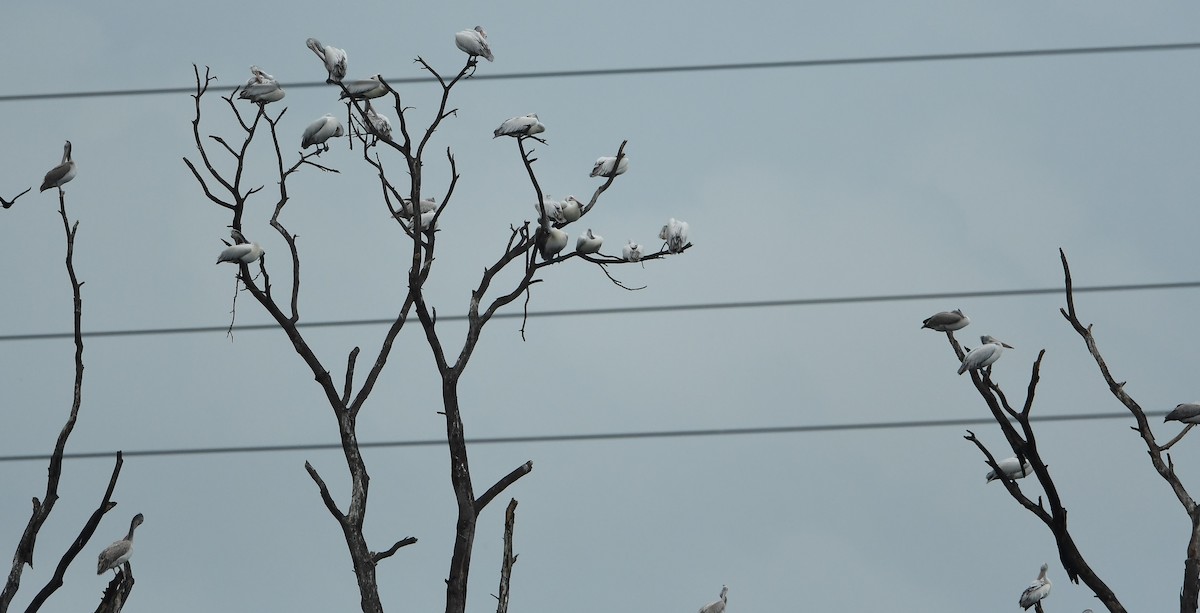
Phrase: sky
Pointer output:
(798, 183)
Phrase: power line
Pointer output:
(559, 438)
(604, 72)
(709, 306)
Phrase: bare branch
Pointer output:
(376, 557)
(506, 565)
(503, 483)
(325, 496)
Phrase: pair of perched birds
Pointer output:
(979, 357)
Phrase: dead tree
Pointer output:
(404, 203)
(118, 591)
(1015, 425)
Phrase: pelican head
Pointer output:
(988, 339)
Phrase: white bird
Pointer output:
(589, 242)
(552, 242)
(364, 89)
(519, 127)
(258, 76)
(632, 252)
(552, 207)
(427, 223)
(118, 553)
(676, 234)
(946, 321)
(262, 93)
(604, 166)
(335, 59)
(243, 253)
(1039, 589)
(62, 173)
(571, 209)
(320, 131)
(426, 205)
(1188, 413)
(717, 606)
(983, 355)
(474, 43)
(380, 122)
(1012, 468)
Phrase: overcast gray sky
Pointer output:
(797, 183)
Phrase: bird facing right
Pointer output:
(119, 552)
(717, 606)
(1039, 589)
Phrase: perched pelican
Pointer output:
(632, 252)
(552, 242)
(716, 606)
(983, 355)
(571, 209)
(553, 208)
(364, 89)
(427, 205)
(1039, 589)
(474, 43)
(1013, 469)
(118, 553)
(589, 242)
(604, 166)
(62, 173)
(335, 59)
(381, 123)
(519, 127)
(675, 233)
(1188, 413)
(262, 88)
(947, 321)
(427, 224)
(243, 253)
(320, 131)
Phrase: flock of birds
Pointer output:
(984, 356)
(262, 88)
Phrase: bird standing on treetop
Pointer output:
(119, 552)
(1039, 589)
(589, 242)
(474, 43)
(62, 173)
(717, 606)
(320, 131)
(983, 355)
(335, 59)
(947, 321)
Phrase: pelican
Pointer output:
(520, 127)
(589, 242)
(604, 166)
(364, 89)
(62, 173)
(320, 131)
(552, 207)
(983, 355)
(675, 233)
(243, 253)
(1013, 469)
(1039, 589)
(947, 321)
(1188, 413)
(474, 43)
(632, 252)
(335, 59)
(118, 553)
(380, 122)
(262, 88)
(571, 208)
(716, 606)
(426, 205)
(552, 242)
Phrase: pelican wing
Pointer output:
(1188, 413)
(114, 555)
(58, 175)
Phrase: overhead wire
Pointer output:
(707, 306)
(605, 72)
(559, 438)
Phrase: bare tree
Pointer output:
(1019, 433)
(526, 251)
(121, 585)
